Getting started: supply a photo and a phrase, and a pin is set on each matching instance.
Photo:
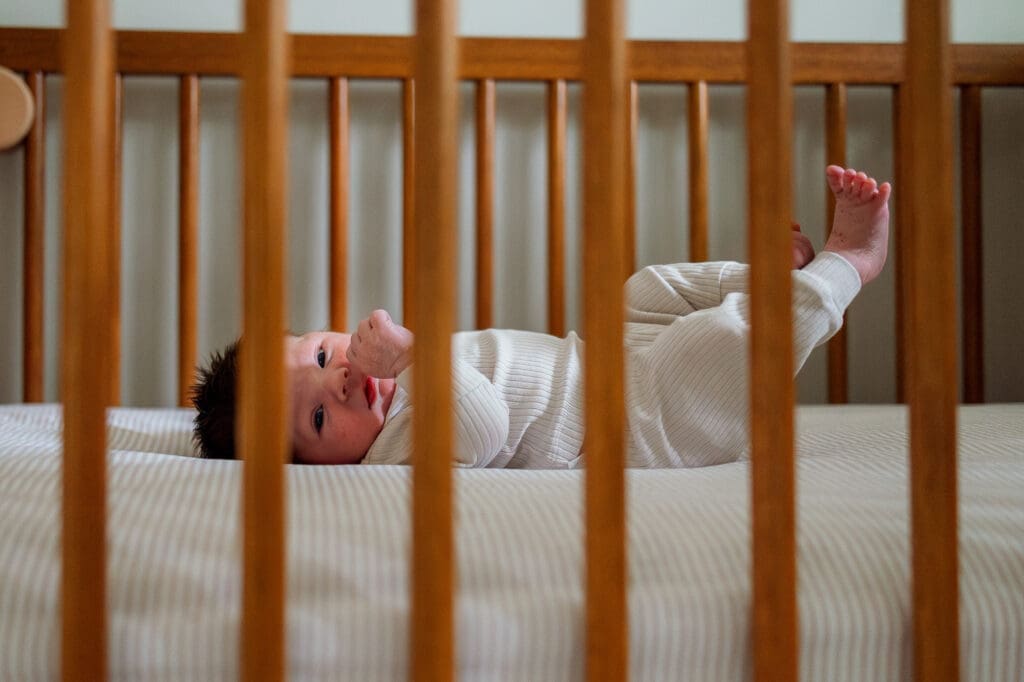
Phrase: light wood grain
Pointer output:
(835, 153)
(557, 117)
(972, 303)
(338, 117)
(773, 521)
(35, 243)
(86, 365)
(432, 655)
(188, 233)
(932, 385)
(606, 110)
(262, 435)
(485, 204)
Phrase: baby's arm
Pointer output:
(481, 418)
(379, 347)
(382, 348)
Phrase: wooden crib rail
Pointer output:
(356, 56)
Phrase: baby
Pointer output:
(518, 395)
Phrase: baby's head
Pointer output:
(335, 413)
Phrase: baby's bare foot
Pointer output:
(860, 228)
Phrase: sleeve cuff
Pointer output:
(842, 278)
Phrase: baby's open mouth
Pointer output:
(371, 391)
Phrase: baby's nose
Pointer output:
(339, 381)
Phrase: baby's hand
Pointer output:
(379, 347)
(803, 252)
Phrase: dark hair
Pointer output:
(214, 397)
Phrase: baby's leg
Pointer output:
(860, 229)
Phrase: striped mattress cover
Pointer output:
(175, 575)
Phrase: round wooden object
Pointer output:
(16, 108)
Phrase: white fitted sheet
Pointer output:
(175, 575)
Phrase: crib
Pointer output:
(601, 608)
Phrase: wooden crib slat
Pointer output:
(697, 134)
(629, 253)
(557, 116)
(408, 200)
(902, 165)
(606, 111)
(971, 249)
(484, 203)
(835, 152)
(432, 655)
(262, 435)
(88, 63)
(35, 239)
(188, 232)
(932, 386)
(769, 134)
(114, 235)
(339, 160)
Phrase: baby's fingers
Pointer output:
(379, 319)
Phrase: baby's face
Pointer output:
(337, 411)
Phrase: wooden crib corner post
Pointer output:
(88, 54)
(773, 520)
(262, 434)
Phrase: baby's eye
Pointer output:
(318, 418)
(321, 357)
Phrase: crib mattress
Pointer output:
(175, 573)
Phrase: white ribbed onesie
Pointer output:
(519, 396)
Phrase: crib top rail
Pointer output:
(362, 56)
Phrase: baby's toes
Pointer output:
(849, 182)
(857, 186)
(868, 189)
(834, 176)
(884, 190)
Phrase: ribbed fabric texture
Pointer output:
(519, 395)
(175, 576)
